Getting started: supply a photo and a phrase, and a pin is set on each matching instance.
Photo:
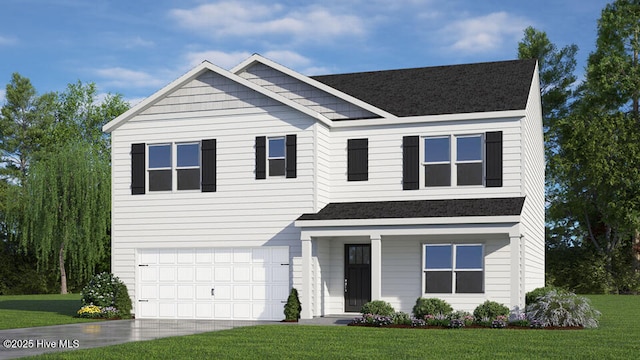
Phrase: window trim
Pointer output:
(173, 147)
(269, 157)
(177, 168)
(454, 267)
(453, 159)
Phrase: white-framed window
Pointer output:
(453, 268)
(467, 167)
(276, 156)
(173, 166)
(469, 164)
(437, 161)
(188, 166)
(159, 164)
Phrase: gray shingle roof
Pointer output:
(480, 87)
(418, 209)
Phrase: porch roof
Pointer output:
(449, 208)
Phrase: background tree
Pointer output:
(25, 123)
(595, 167)
(67, 209)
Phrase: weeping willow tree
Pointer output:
(66, 209)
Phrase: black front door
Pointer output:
(357, 276)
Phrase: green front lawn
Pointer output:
(21, 311)
(616, 338)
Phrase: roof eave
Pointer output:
(197, 71)
(256, 58)
(458, 220)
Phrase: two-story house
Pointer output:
(231, 187)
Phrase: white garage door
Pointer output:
(213, 283)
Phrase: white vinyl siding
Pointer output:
(247, 212)
(302, 93)
(385, 162)
(533, 169)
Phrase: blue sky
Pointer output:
(136, 47)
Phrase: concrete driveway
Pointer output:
(40, 340)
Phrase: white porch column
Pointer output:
(376, 267)
(517, 273)
(307, 285)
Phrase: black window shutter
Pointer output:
(291, 158)
(261, 157)
(208, 149)
(138, 168)
(357, 159)
(410, 162)
(493, 143)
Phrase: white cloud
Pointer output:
(484, 33)
(228, 60)
(117, 76)
(224, 19)
(2, 97)
(7, 40)
(219, 58)
(137, 42)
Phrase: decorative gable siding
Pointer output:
(242, 211)
(304, 94)
(533, 188)
(210, 91)
(386, 162)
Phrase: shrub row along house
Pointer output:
(231, 187)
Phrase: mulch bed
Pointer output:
(470, 327)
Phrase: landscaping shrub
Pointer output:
(459, 316)
(378, 307)
(563, 308)
(293, 307)
(489, 311)
(534, 294)
(106, 290)
(430, 306)
(402, 318)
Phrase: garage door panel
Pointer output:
(242, 292)
(204, 256)
(148, 274)
(167, 274)
(222, 311)
(222, 273)
(167, 256)
(204, 311)
(186, 310)
(222, 292)
(186, 292)
(247, 283)
(167, 310)
(186, 256)
(149, 292)
(203, 292)
(241, 255)
(242, 311)
(260, 292)
(204, 274)
(259, 274)
(167, 291)
(241, 273)
(222, 256)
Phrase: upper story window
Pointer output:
(453, 268)
(159, 167)
(162, 165)
(188, 166)
(277, 156)
(437, 161)
(468, 167)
